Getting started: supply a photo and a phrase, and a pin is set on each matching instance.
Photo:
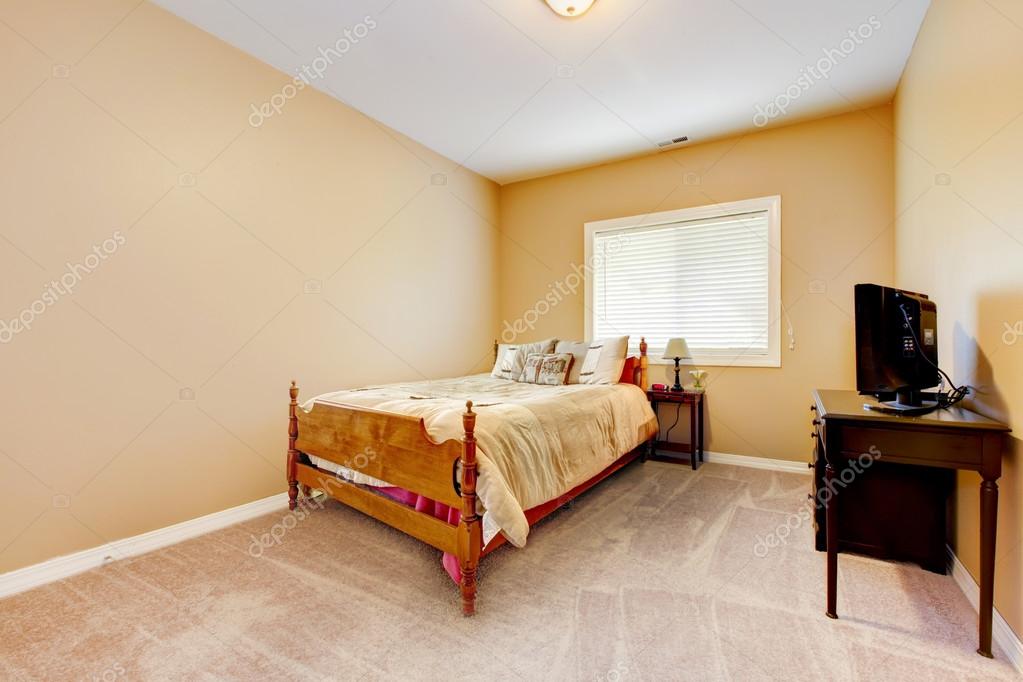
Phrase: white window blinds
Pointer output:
(708, 280)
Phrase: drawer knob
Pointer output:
(813, 434)
(816, 422)
(813, 408)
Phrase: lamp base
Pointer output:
(677, 388)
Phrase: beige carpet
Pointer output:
(652, 575)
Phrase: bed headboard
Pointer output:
(638, 370)
(639, 367)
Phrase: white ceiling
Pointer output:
(512, 91)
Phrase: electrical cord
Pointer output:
(944, 399)
(678, 414)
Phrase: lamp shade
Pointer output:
(569, 8)
(676, 348)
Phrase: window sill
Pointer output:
(719, 361)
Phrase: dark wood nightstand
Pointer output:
(694, 448)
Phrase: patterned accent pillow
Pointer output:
(547, 369)
(578, 349)
(512, 358)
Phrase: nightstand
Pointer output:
(694, 448)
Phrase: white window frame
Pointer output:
(771, 204)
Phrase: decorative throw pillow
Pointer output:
(605, 361)
(511, 358)
(548, 369)
(505, 364)
(629, 371)
(578, 349)
(589, 365)
(554, 369)
(531, 369)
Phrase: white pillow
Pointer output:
(578, 349)
(511, 358)
(503, 365)
(605, 361)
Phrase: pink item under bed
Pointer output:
(436, 509)
(453, 516)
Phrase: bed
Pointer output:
(466, 476)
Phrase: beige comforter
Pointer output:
(535, 442)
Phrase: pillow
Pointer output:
(511, 358)
(549, 369)
(629, 371)
(605, 361)
(578, 349)
(503, 366)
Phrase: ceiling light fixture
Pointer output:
(570, 8)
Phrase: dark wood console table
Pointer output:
(953, 438)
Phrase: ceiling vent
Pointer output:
(673, 141)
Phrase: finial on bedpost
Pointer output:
(469, 423)
(644, 363)
(470, 535)
(292, 451)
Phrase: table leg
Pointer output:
(988, 526)
(700, 417)
(694, 455)
(831, 509)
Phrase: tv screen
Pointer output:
(896, 343)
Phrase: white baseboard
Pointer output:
(79, 562)
(757, 462)
(65, 566)
(1001, 633)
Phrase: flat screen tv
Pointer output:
(896, 347)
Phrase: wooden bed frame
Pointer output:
(396, 448)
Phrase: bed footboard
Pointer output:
(397, 449)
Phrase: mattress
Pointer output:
(535, 443)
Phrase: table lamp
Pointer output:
(676, 350)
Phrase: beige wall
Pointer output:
(835, 179)
(206, 294)
(960, 233)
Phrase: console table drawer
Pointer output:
(926, 448)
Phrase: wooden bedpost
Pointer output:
(644, 363)
(292, 452)
(470, 534)
(496, 348)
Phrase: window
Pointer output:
(711, 275)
